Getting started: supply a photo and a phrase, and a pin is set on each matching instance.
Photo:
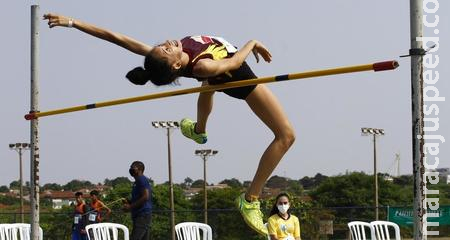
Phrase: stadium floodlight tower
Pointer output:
(19, 147)
(169, 125)
(374, 132)
(204, 154)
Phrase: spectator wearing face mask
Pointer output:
(282, 224)
(141, 203)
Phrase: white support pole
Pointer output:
(34, 139)
(416, 52)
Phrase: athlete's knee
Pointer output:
(290, 138)
(287, 137)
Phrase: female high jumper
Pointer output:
(211, 60)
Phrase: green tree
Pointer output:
(233, 183)
(107, 182)
(4, 189)
(198, 183)
(354, 189)
(188, 182)
(307, 182)
(444, 191)
(310, 183)
(51, 186)
(357, 190)
(114, 199)
(120, 181)
(319, 178)
(404, 180)
(57, 224)
(277, 182)
(14, 185)
(76, 185)
(295, 188)
(161, 210)
(8, 200)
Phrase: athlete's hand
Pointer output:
(126, 207)
(260, 49)
(57, 20)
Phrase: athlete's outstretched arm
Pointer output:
(208, 67)
(108, 210)
(113, 37)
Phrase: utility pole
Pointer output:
(34, 126)
(18, 147)
(416, 52)
(204, 154)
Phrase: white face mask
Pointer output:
(283, 208)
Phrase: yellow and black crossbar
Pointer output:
(379, 66)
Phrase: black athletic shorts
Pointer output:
(242, 73)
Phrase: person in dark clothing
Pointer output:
(80, 218)
(140, 204)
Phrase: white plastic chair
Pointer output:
(3, 231)
(381, 230)
(106, 231)
(191, 231)
(17, 231)
(358, 230)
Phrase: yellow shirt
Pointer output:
(284, 228)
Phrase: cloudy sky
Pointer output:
(327, 112)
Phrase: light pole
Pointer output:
(18, 147)
(374, 132)
(169, 125)
(205, 153)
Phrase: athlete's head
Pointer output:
(162, 65)
(94, 195)
(79, 197)
(281, 204)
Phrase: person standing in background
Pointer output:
(98, 209)
(140, 204)
(80, 218)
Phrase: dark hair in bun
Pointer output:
(157, 70)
